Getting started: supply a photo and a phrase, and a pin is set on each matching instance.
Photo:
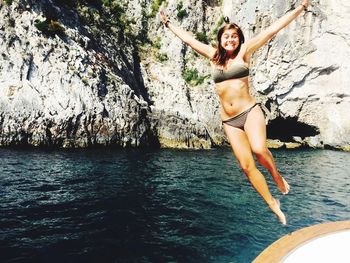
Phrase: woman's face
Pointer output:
(230, 40)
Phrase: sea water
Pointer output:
(105, 205)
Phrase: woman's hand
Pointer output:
(305, 3)
(163, 17)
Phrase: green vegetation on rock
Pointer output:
(155, 7)
(216, 28)
(193, 78)
(11, 22)
(151, 48)
(107, 17)
(156, 43)
(8, 2)
(49, 27)
(202, 36)
(162, 57)
(181, 12)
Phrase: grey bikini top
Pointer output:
(235, 71)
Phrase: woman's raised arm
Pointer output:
(264, 36)
(203, 49)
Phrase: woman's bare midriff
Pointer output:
(234, 97)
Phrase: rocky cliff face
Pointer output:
(67, 83)
(302, 76)
(107, 73)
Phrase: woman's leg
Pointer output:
(241, 148)
(255, 129)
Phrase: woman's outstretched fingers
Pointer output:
(305, 3)
(162, 16)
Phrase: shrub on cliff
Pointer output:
(193, 78)
(49, 27)
(155, 7)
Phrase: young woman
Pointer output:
(242, 118)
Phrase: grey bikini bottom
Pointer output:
(239, 120)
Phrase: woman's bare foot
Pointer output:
(283, 186)
(276, 208)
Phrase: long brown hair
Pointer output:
(219, 57)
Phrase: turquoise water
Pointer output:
(157, 206)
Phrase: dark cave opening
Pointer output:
(284, 129)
